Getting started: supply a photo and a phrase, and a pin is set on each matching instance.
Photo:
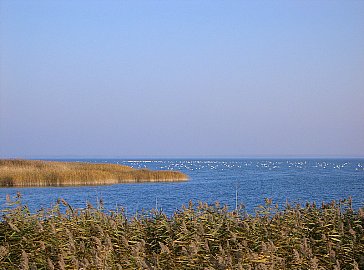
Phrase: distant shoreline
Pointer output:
(41, 173)
(151, 158)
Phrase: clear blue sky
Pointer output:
(181, 78)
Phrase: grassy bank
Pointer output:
(196, 237)
(23, 173)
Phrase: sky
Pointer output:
(181, 78)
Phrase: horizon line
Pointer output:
(151, 157)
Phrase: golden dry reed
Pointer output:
(25, 173)
(198, 236)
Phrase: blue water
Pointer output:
(215, 180)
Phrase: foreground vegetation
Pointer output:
(196, 237)
(22, 173)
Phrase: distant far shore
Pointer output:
(39, 173)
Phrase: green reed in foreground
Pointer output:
(198, 236)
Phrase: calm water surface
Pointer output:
(214, 180)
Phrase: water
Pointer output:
(215, 180)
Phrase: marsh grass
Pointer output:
(22, 173)
(199, 236)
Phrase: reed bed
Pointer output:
(199, 236)
(23, 173)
